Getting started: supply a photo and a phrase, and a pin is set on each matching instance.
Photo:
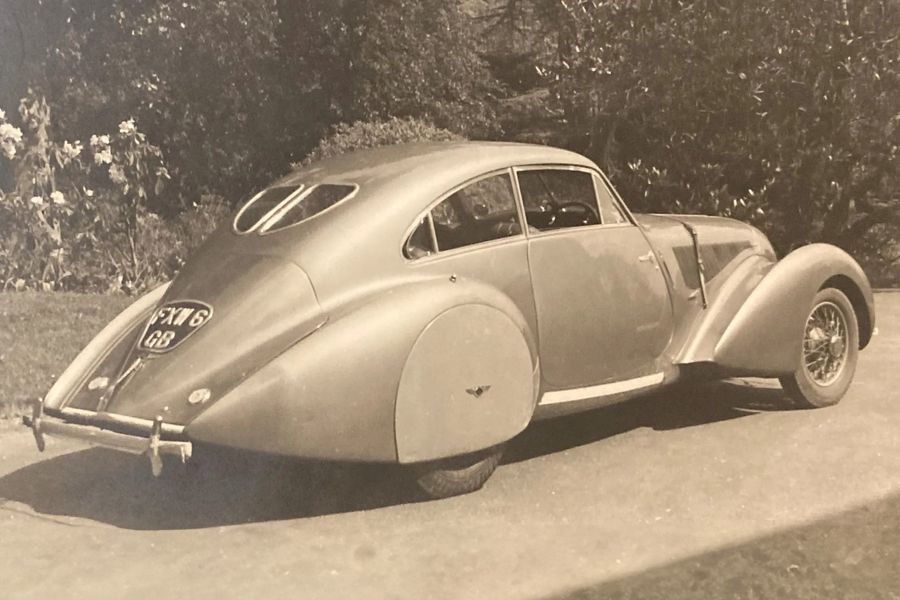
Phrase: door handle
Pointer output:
(646, 257)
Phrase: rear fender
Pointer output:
(766, 334)
(337, 394)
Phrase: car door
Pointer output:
(602, 304)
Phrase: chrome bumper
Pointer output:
(152, 445)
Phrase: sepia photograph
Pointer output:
(450, 299)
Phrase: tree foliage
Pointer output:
(369, 60)
(786, 114)
(199, 76)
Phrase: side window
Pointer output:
(558, 198)
(480, 212)
(419, 243)
(608, 207)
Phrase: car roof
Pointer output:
(361, 239)
(396, 184)
(441, 163)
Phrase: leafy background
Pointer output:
(130, 129)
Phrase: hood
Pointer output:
(246, 310)
(722, 241)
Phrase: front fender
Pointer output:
(765, 336)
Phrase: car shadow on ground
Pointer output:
(116, 488)
(675, 408)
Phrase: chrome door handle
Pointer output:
(646, 257)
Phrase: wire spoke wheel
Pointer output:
(825, 343)
(828, 353)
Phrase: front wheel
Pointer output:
(829, 352)
(458, 474)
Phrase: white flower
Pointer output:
(2, 114)
(37, 200)
(89, 193)
(8, 131)
(103, 157)
(116, 174)
(58, 197)
(10, 138)
(127, 127)
(72, 150)
(99, 142)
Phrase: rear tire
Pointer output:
(458, 474)
(828, 354)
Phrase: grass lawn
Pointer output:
(40, 333)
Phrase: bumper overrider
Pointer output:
(128, 434)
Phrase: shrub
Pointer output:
(194, 225)
(360, 135)
(86, 223)
(47, 217)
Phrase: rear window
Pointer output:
(308, 204)
(261, 205)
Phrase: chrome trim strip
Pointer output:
(147, 424)
(111, 439)
(300, 188)
(604, 389)
(153, 446)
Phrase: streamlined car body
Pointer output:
(421, 304)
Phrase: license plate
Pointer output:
(172, 323)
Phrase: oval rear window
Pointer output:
(315, 200)
(261, 205)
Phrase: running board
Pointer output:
(598, 391)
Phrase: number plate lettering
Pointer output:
(173, 323)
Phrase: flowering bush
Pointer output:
(37, 216)
(10, 137)
(80, 218)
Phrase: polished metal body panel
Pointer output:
(325, 341)
(466, 384)
(334, 395)
(503, 266)
(781, 302)
(603, 313)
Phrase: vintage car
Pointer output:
(422, 304)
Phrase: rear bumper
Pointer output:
(106, 430)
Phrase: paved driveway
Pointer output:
(590, 503)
